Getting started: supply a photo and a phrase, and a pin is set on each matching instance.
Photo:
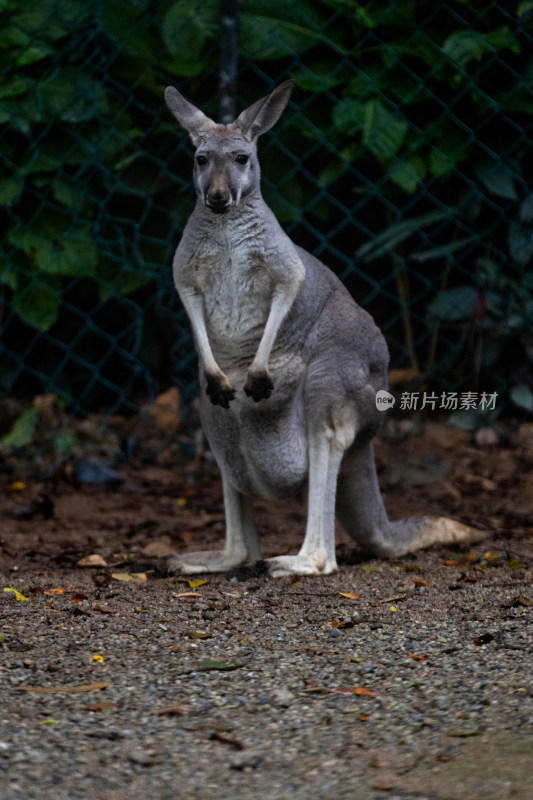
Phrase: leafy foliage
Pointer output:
(409, 145)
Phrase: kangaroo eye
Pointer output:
(201, 160)
(242, 159)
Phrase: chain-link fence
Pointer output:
(402, 161)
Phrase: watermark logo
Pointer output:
(384, 400)
(445, 401)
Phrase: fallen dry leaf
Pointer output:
(172, 711)
(209, 664)
(78, 598)
(459, 560)
(100, 707)
(349, 596)
(84, 687)
(196, 584)
(93, 560)
(417, 657)
(18, 595)
(17, 486)
(59, 590)
(520, 600)
(361, 691)
(134, 577)
(418, 582)
(188, 594)
(101, 609)
(385, 783)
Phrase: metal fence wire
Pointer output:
(402, 161)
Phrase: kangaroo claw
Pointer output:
(219, 395)
(258, 387)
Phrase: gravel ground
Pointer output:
(387, 680)
(409, 690)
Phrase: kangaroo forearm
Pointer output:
(283, 298)
(194, 306)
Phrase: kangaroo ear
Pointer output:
(262, 115)
(189, 117)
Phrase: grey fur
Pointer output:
(289, 364)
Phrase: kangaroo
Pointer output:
(289, 364)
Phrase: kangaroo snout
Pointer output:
(218, 200)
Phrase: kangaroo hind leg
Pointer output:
(241, 545)
(327, 443)
(361, 512)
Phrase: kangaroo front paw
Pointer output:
(219, 394)
(259, 386)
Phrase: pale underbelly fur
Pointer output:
(263, 450)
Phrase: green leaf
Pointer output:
(74, 97)
(187, 26)
(23, 430)
(524, 8)
(37, 301)
(57, 251)
(383, 131)
(387, 240)
(319, 76)
(274, 29)
(70, 194)
(445, 250)
(467, 421)
(17, 85)
(522, 396)
(526, 209)
(32, 54)
(64, 443)
(408, 173)
(124, 23)
(10, 189)
(520, 243)
(453, 305)
(463, 46)
(208, 664)
(497, 177)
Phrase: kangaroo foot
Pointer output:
(282, 566)
(206, 561)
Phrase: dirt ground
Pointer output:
(405, 679)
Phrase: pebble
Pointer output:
(247, 759)
(141, 757)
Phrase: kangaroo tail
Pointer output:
(416, 533)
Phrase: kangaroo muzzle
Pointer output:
(218, 200)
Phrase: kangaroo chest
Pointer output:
(237, 290)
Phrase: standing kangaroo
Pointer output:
(289, 364)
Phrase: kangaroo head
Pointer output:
(226, 168)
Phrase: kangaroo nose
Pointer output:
(218, 199)
(218, 196)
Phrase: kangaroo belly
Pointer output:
(264, 452)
